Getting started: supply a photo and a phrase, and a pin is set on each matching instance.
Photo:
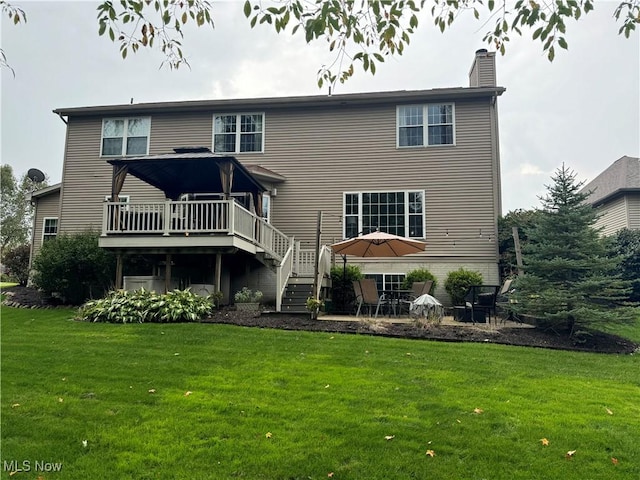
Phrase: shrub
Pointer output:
(246, 295)
(418, 275)
(342, 293)
(459, 281)
(74, 267)
(120, 306)
(17, 262)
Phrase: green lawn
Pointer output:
(201, 401)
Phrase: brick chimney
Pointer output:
(483, 69)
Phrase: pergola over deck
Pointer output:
(188, 170)
(174, 226)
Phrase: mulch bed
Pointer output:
(598, 342)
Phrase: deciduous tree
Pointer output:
(358, 33)
(16, 212)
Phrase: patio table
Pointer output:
(395, 297)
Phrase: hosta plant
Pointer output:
(120, 306)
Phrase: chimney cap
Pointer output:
(481, 50)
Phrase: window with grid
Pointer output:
(387, 281)
(49, 228)
(238, 133)
(125, 136)
(424, 125)
(399, 213)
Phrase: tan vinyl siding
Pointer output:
(633, 205)
(324, 152)
(486, 72)
(613, 216)
(86, 176)
(47, 206)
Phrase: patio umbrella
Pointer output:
(378, 244)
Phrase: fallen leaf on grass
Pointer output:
(11, 474)
(544, 442)
(330, 474)
(326, 386)
(186, 394)
(458, 420)
(478, 411)
(430, 453)
(60, 399)
(608, 411)
(15, 405)
(570, 454)
(614, 460)
(268, 435)
(152, 390)
(389, 437)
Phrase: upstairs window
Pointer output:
(49, 228)
(399, 213)
(238, 133)
(426, 125)
(125, 136)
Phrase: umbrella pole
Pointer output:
(343, 300)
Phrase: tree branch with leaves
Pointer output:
(360, 34)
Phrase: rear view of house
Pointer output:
(221, 194)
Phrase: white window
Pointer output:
(125, 136)
(238, 133)
(387, 281)
(49, 228)
(400, 213)
(266, 207)
(426, 125)
(122, 199)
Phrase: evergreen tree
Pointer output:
(570, 281)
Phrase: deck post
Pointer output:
(167, 273)
(167, 217)
(118, 271)
(218, 272)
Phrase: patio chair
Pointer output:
(358, 294)
(504, 301)
(370, 296)
(481, 299)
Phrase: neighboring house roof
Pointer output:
(190, 172)
(349, 99)
(45, 191)
(621, 177)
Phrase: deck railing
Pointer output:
(197, 217)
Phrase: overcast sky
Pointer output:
(583, 109)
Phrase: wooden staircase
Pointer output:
(296, 294)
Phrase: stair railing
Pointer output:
(283, 272)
